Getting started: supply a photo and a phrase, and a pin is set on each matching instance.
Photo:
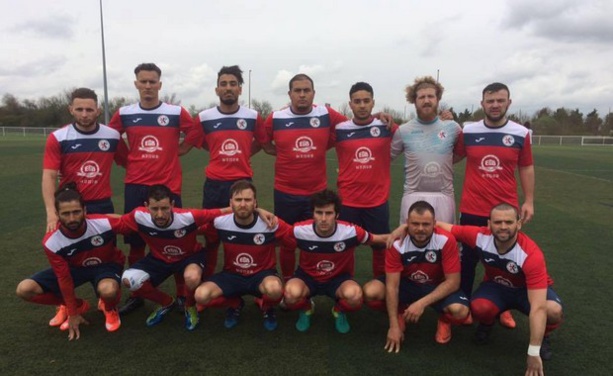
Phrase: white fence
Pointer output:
(573, 140)
(25, 131)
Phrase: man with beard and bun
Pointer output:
(326, 264)
(422, 269)
(363, 149)
(428, 144)
(515, 278)
(229, 131)
(82, 249)
(153, 130)
(494, 148)
(170, 234)
(250, 259)
(81, 152)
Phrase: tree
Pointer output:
(593, 122)
(263, 107)
(345, 110)
(464, 116)
(398, 116)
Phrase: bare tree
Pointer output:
(263, 107)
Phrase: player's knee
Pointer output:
(192, 279)
(272, 287)
(134, 279)
(27, 288)
(293, 292)
(457, 310)
(107, 288)
(554, 312)
(374, 290)
(203, 293)
(352, 293)
(483, 310)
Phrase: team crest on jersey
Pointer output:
(244, 261)
(325, 266)
(163, 120)
(512, 267)
(375, 131)
(230, 147)
(442, 135)
(431, 257)
(508, 140)
(97, 241)
(432, 169)
(315, 123)
(490, 163)
(89, 169)
(241, 124)
(363, 155)
(419, 277)
(104, 145)
(150, 144)
(172, 250)
(503, 281)
(259, 239)
(339, 247)
(304, 144)
(91, 261)
(180, 233)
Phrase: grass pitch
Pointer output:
(573, 225)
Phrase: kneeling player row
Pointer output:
(422, 267)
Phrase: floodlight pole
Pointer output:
(106, 90)
(249, 88)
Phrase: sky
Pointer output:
(551, 53)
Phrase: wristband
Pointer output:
(534, 350)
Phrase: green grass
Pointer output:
(573, 224)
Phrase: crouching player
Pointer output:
(515, 278)
(249, 259)
(170, 233)
(326, 263)
(422, 269)
(82, 249)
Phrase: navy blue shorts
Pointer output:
(506, 298)
(135, 195)
(292, 208)
(92, 274)
(159, 271)
(235, 285)
(322, 288)
(104, 206)
(216, 193)
(374, 220)
(409, 292)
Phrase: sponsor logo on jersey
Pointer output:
(163, 120)
(315, 123)
(172, 250)
(150, 144)
(75, 146)
(71, 252)
(313, 247)
(259, 239)
(488, 260)
(375, 131)
(432, 169)
(503, 281)
(232, 237)
(419, 277)
(244, 261)
(508, 140)
(479, 139)
(153, 233)
(289, 124)
(136, 120)
(512, 267)
(325, 266)
(104, 145)
(97, 241)
(411, 258)
(91, 261)
(350, 134)
(180, 233)
(442, 135)
(304, 144)
(339, 247)
(89, 169)
(490, 163)
(229, 147)
(431, 257)
(241, 124)
(462, 297)
(217, 125)
(363, 155)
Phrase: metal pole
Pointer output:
(106, 89)
(437, 73)
(249, 88)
